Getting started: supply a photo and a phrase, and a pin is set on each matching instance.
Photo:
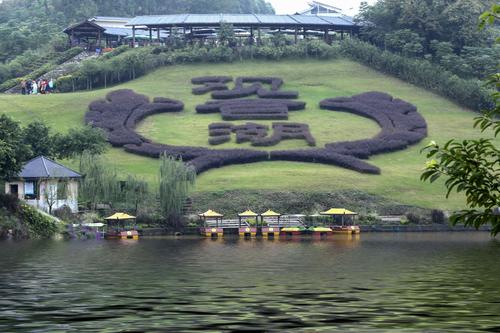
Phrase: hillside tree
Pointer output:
(472, 167)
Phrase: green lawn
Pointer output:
(315, 80)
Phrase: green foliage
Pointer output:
(175, 182)
(32, 65)
(39, 225)
(37, 136)
(441, 30)
(24, 220)
(13, 152)
(134, 63)
(473, 166)
(226, 35)
(99, 183)
(80, 140)
(135, 194)
(469, 93)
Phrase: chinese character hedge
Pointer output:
(401, 126)
(232, 106)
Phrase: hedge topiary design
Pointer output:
(210, 83)
(401, 126)
(258, 134)
(231, 105)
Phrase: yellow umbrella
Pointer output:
(269, 213)
(120, 216)
(210, 213)
(339, 211)
(248, 213)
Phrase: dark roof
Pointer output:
(84, 24)
(43, 167)
(239, 19)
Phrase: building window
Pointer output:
(30, 190)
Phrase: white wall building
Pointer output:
(46, 185)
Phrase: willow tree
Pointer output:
(135, 194)
(99, 183)
(176, 181)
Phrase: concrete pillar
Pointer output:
(133, 36)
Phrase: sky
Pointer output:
(350, 7)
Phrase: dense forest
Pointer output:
(29, 25)
(442, 31)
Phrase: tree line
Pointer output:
(442, 31)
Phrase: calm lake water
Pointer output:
(435, 282)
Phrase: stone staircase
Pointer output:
(63, 69)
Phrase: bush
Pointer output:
(129, 64)
(413, 218)
(24, 220)
(216, 106)
(438, 216)
(469, 93)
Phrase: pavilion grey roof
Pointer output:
(43, 167)
(241, 19)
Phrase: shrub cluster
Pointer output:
(219, 133)
(324, 156)
(284, 131)
(139, 61)
(252, 109)
(210, 83)
(401, 124)
(257, 134)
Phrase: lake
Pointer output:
(412, 282)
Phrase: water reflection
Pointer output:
(399, 282)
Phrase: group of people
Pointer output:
(42, 86)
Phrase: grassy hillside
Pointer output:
(315, 80)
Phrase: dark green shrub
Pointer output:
(438, 216)
(413, 218)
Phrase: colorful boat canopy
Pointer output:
(338, 211)
(270, 213)
(120, 216)
(248, 213)
(293, 229)
(211, 213)
(320, 229)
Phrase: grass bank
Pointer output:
(315, 80)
